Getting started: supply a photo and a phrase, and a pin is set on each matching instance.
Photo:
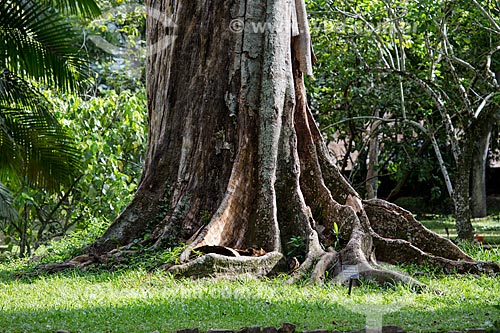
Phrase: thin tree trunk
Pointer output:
(373, 152)
(461, 195)
(480, 159)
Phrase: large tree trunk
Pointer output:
(231, 137)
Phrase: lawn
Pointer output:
(136, 299)
(488, 227)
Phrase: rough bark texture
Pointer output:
(461, 196)
(468, 190)
(373, 152)
(480, 159)
(235, 160)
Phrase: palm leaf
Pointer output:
(87, 8)
(31, 139)
(14, 90)
(7, 211)
(46, 155)
(39, 44)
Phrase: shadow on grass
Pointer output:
(488, 227)
(29, 274)
(147, 309)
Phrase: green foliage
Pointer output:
(87, 8)
(205, 216)
(33, 145)
(110, 126)
(69, 246)
(296, 248)
(38, 48)
(347, 91)
(7, 211)
(479, 252)
(38, 43)
(111, 136)
(112, 133)
(118, 45)
(495, 327)
(336, 244)
(370, 55)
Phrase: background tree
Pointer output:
(116, 43)
(343, 86)
(406, 48)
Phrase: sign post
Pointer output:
(350, 272)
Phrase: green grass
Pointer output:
(134, 299)
(138, 301)
(488, 227)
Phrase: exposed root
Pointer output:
(213, 264)
(388, 277)
(327, 262)
(398, 251)
(314, 253)
(331, 262)
(184, 257)
(77, 262)
(304, 268)
(358, 252)
(391, 221)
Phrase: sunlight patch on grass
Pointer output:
(488, 227)
(138, 301)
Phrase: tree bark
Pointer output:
(479, 161)
(464, 206)
(231, 137)
(461, 194)
(373, 153)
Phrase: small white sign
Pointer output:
(350, 271)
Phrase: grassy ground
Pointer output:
(488, 227)
(135, 300)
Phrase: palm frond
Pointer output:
(10, 159)
(31, 139)
(46, 155)
(7, 210)
(14, 90)
(88, 8)
(38, 43)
